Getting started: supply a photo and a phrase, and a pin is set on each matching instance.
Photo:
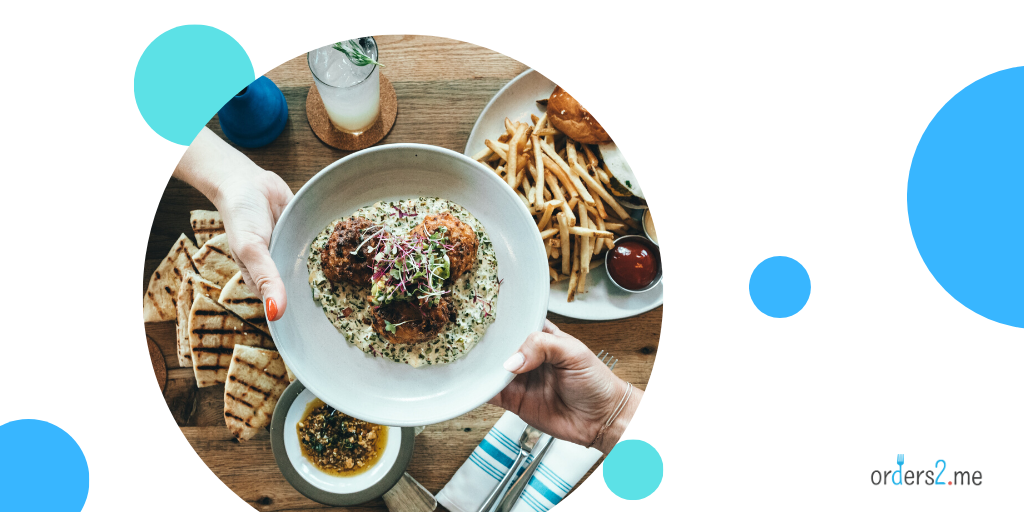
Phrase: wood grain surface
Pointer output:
(442, 85)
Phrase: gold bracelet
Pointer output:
(614, 414)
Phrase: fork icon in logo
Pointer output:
(899, 462)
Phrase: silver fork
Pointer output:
(608, 360)
(527, 442)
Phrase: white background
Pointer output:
(758, 129)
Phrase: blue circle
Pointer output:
(965, 197)
(633, 470)
(41, 468)
(185, 76)
(780, 287)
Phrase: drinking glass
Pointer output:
(351, 93)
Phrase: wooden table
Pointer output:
(442, 86)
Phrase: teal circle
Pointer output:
(41, 468)
(185, 76)
(780, 287)
(633, 470)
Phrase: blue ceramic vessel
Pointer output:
(255, 116)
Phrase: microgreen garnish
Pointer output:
(379, 231)
(403, 214)
(392, 328)
(410, 267)
(488, 304)
(354, 52)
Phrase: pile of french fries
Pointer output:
(565, 187)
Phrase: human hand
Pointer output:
(563, 389)
(250, 204)
(250, 200)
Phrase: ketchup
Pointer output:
(632, 264)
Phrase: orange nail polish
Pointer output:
(271, 310)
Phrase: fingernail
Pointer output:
(271, 309)
(515, 362)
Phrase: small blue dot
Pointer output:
(965, 197)
(633, 470)
(185, 76)
(780, 287)
(41, 468)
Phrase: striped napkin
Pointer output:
(563, 466)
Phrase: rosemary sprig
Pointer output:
(355, 53)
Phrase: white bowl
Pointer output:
(380, 390)
(327, 482)
(323, 487)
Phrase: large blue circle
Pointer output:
(185, 76)
(633, 470)
(780, 287)
(41, 468)
(965, 197)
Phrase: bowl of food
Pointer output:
(331, 457)
(412, 273)
(634, 264)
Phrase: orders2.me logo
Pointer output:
(932, 476)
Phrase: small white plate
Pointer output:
(603, 300)
(323, 487)
(325, 481)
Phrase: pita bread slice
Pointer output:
(182, 267)
(256, 379)
(213, 334)
(237, 297)
(291, 376)
(193, 284)
(214, 260)
(206, 224)
(162, 291)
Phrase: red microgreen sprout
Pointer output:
(403, 214)
(410, 267)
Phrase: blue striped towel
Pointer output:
(563, 466)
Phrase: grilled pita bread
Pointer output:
(291, 376)
(206, 224)
(214, 260)
(183, 267)
(162, 291)
(213, 334)
(256, 379)
(237, 297)
(191, 286)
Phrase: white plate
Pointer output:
(322, 487)
(603, 300)
(327, 482)
(380, 390)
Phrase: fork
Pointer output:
(899, 461)
(607, 359)
(527, 442)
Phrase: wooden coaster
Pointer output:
(326, 132)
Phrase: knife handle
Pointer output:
(409, 496)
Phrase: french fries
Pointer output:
(565, 186)
(563, 227)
